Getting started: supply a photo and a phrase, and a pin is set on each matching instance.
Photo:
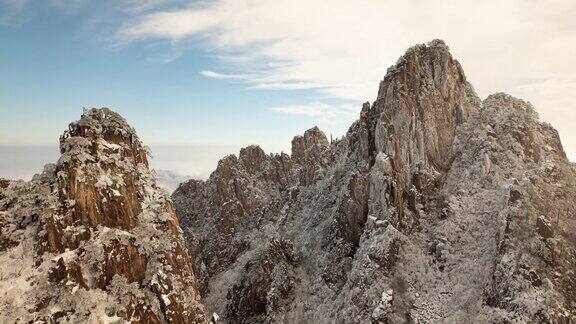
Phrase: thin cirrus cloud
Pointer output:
(17, 12)
(261, 81)
(222, 76)
(327, 113)
(343, 48)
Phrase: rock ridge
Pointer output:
(434, 207)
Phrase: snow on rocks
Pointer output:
(94, 235)
(415, 199)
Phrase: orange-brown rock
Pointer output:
(4, 183)
(420, 104)
(110, 246)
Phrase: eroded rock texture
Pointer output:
(92, 239)
(435, 207)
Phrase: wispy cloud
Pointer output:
(223, 76)
(170, 24)
(12, 12)
(343, 48)
(261, 81)
(17, 12)
(138, 6)
(287, 85)
(330, 114)
(347, 48)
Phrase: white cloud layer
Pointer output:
(523, 47)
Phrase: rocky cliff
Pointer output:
(435, 207)
(92, 239)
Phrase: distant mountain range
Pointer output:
(169, 180)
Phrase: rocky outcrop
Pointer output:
(435, 207)
(244, 193)
(310, 152)
(420, 104)
(266, 284)
(4, 183)
(95, 239)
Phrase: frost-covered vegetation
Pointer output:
(93, 239)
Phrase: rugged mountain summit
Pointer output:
(92, 238)
(435, 207)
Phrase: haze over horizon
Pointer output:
(217, 75)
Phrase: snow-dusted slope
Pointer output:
(435, 207)
(92, 238)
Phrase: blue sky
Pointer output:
(229, 73)
(54, 63)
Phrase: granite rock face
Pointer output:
(435, 207)
(92, 238)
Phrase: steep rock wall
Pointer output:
(98, 241)
(435, 207)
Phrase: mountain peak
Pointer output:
(421, 102)
(109, 242)
(435, 207)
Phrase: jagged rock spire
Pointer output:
(421, 102)
(110, 244)
(434, 207)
